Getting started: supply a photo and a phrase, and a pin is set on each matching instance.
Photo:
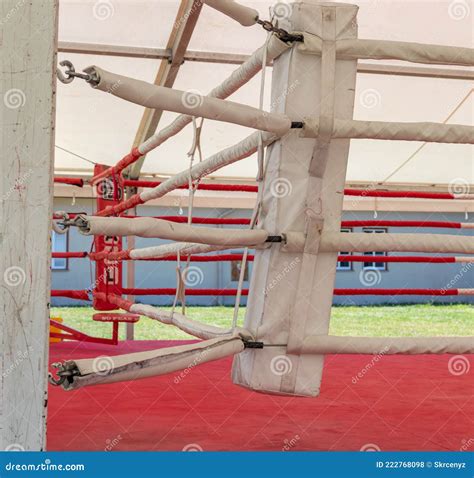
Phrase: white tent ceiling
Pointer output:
(101, 127)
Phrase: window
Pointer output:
(344, 265)
(59, 244)
(381, 266)
(235, 271)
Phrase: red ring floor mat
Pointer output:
(400, 403)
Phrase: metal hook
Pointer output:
(70, 69)
(65, 371)
(71, 73)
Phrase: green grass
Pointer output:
(403, 320)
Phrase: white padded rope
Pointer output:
(188, 102)
(164, 250)
(244, 15)
(236, 80)
(335, 242)
(191, 327)
(230, 155)
(158, 228)
(355, 49)
(324, 344)
(152, 363)
(387, 242)
(429, 132)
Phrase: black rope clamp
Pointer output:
(253, 345)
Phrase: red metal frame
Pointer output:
(108, 275)
(73, 334)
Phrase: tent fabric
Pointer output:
(102, 128)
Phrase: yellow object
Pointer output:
(55, 329)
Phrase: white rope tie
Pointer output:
(192, 187)
(260, 180)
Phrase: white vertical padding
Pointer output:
(289, 191)
(27, 86)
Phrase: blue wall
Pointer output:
(80, 272)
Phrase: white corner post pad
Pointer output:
(28, 39)
(291, 291)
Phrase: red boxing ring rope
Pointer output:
(84, 295)
(398, 194)
(202, 186)
(347, 192)
(126, 161)
(71, 294)
(201, 220)
(377, 223)
(69, 255)
(384, 259)
(71, 181)
(134, 155)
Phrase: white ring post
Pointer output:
(27, 85)
(291, 292)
